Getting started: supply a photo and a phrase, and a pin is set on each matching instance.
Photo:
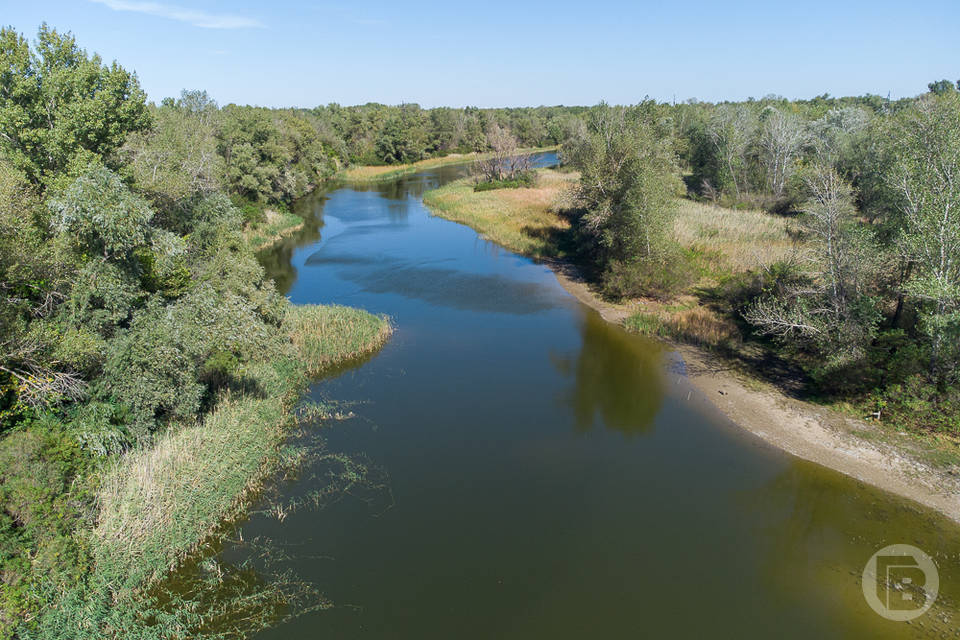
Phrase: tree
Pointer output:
(628, 184)
(271, 156)
(56, 103)
(504, 161)
(730, 130)
(32, 283)
(97, 213)
(404, 136)
(833, 136)
(176, 160)
(781, 138)
(925, 174)
(941, 87)
(829, 312)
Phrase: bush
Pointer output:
(251, 213)
(43, 498)
(916, 404)
(654, 278)
(527, 179)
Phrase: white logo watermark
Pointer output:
(900, 582)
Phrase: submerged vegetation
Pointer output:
(148, 368)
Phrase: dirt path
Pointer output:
(805, 430)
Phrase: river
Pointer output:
(544, 474)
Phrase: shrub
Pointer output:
(527, 179)
(251, 213)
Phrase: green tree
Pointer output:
(176, 160)
(627, 191)
(97, 213)
(924, 174)
(941, 87)
(57, 103)
(827, 311)
(730, 131)
(404, 136)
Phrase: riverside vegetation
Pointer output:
(148, 369)
(818, 237)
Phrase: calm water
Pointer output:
(545, 474)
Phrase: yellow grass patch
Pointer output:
(743, 239)
(524, 220)
(696, 324)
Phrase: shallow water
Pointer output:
(547, 475)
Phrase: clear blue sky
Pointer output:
(516, 53)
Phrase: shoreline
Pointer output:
(823, 435)
(372, 174)
(802, 429)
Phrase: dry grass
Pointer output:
(157, 504)
(686, 322)
(276, 227)
(740, 239)
(523, 220)
(389, 172)
(331, 334)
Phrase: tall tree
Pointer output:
(58, 103)
(629, 180)
(926, 176)
(781, 137)
(829, 312)
(730, 130)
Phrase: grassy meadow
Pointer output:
(522, 220)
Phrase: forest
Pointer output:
(867, 302)
(134, 309)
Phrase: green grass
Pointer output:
(330, 335)
(384, 173)
(733, 240)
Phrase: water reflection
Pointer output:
(618, 378)
(526, 504)
(277, 259)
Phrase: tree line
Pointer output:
(131, 299)
(869, 304)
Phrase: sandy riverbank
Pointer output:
(808, 431)
(523, 220)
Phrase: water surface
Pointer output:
(547, 475)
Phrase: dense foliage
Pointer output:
(131, 300)
(869, 305)
(629, 180)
